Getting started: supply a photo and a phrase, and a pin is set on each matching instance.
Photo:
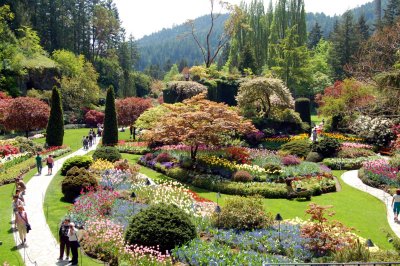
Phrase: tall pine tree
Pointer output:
(110, 133)
(315, 36)
(392, 11)
(55, 126)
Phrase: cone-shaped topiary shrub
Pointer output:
(110, 133)
(55, 126)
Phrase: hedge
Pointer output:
(302, 106)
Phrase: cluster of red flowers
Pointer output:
(196, 196)
(54, 148)
(238, 154)
(8, 149)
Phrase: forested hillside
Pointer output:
(160, 50)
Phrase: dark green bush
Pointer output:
(297, 147)
(163, 225)
(302, 106)
(178, 174)
(243, 214)
(108, 153)
(76, 180)
(78, 161)
(242, 176)
(314, 157)
(326, 146)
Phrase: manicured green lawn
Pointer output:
(316, 119)
(354, 208)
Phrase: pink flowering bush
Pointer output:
(290, 160)
(380, 173)
(355, 145)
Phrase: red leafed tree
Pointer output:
(129, 109)
(26, 114)
(198, 121)
(93, 117)
(4, 108)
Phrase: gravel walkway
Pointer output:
(351, 178)
(41, 247)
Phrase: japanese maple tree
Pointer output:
(93, 117)
(26, 114)
(129, 109)
(198, 121)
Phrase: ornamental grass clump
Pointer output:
(163, 225)
(243, 214)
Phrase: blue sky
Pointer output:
(145, 17)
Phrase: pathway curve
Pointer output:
(351, 178)
(41, 247)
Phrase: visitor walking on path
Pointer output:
(15, 204)
(50, 164)
(64, 239)
(396, 204)
(20, 185)
(21, 219)
(73, 242)
(39, 163)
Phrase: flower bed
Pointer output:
(132, 147)
(347, 163)
(341, 137)
(380, 174)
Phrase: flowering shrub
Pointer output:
(124, 165)
(325, 236)
(255, 137)
(238, 154)
(8, 150)
(163, 158)
(290, 160)
(375, 130)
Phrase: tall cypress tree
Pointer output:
(363, 28)
(110, 133)
(55, 126)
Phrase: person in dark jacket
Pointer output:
(64, 239)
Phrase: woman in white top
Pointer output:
(73, 243)
(396, 204)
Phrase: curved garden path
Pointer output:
(41, 247)
(351, 178)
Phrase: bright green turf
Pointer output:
(354, 208)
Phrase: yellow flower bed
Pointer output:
(342, 137)
(218, 162)
(287, 139)
(101, 165)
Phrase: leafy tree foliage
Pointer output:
(196, 122)
(55, 126)
(258, 96)
(93, 118)
(129, 109)
(149, 118)
(26, 114)
(110, 133)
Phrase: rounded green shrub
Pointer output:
(314, 157)
(326, 146)
(78, 161)
(178, 173)
(76, 180)
(242, 176)
(164, 225)
(108, 153)
(243, 214)
(299, 147)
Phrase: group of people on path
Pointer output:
(69, 241)
(90, 139)
(21, 222)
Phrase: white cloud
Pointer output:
(145, 17)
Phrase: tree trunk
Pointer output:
(193, 153)
(27, 134)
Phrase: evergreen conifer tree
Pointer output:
(392, 11)
(315, 36)
(110, 133)
(55, 126)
